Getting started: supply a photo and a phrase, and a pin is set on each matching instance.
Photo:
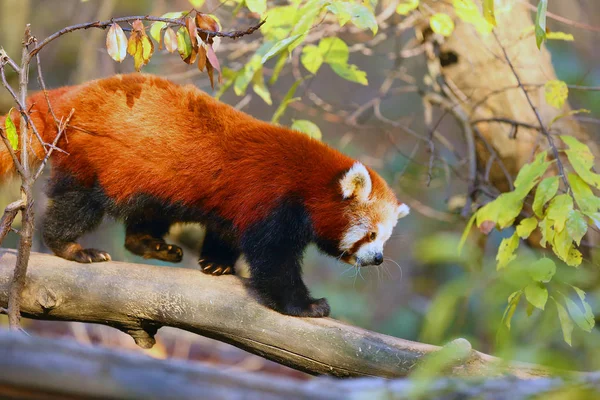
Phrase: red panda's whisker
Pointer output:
(398, 265)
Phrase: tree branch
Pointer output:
(42, 368)
(106, 24)
(139, 299)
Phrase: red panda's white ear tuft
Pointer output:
(356, 183)
(403, 210)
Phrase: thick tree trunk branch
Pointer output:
(33, 367)
(139, 299)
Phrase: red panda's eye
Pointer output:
(372, 235)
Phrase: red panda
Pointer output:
(152, 153)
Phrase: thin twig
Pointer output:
(463, 118)
(542, 127)
(106, 24)
(61, 129)
(10, 213)
(506, 121)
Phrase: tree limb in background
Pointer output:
(139, 299)
(38, 368)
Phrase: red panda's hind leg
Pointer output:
(218, 255)
(146, 240)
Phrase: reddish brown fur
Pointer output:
(143, 134)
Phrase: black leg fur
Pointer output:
(72, 211)
(274, 250)
(218, 254)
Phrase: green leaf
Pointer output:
(506, 251)
(540, 23)
(574, 257)
(530, 174)
(281, 46)
(544, 193)
(565, 321)
(307, 127)
(257, 6)
(465, 234)
(279, 22)
(537, 294)
(247, 73)
(488, 11)
(156, 27)
(305, 16)
(11, 131)
(286, 101)
(277, 69)
(581, 314)
(311, 58)
(542, 270)
(576, 226)
(581, 158)
(360, 15)
(513, 301)
(184, 43)
(546, 228)
(197, 3)
(526, 227)
(334, 50)
(559, 210)
(442, 310)
(503, 210)
(588, 315)
(556, 93)
(567, 114)
(562, 245)
(259, 87)
(350, 72)
(406, 6)
(442, 24)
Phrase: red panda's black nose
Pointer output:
(378, 259)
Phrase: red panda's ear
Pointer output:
(402, 210)
(356, 183)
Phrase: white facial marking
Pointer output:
(388, 217)
(403, 210)
(353, 235)
(356, 182)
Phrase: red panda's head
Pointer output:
(372, 212)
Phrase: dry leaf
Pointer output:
(201, 57)
(170, 40)
(116, 43)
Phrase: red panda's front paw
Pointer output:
(315, 308)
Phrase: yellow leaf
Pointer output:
(406, 6)
(556, 93)
(488, 12)
(506, 251)
(468, 11)
(442, 23)
(147, 49)
(560, 36)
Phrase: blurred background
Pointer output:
(425, 291)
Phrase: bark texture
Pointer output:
(139, 299)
